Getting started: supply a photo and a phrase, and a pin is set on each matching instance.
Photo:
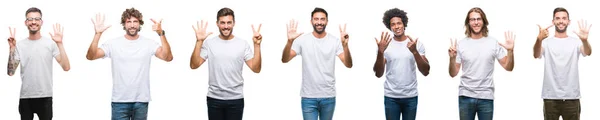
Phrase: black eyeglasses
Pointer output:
(35, 18)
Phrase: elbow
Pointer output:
(89, 57)
(349, 65)
(66, 69)
(283, 60)
(193, 67)
(452, 75)
(169, 59)
(426, 73)
(378, 75)
(256, 71)
(10, 74)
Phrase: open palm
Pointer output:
(99, 25)
(200, 30)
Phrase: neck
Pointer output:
(226, 38)
(560, 34)
(35, 36)
(321, 35)
(476, 35)
(129, 37)
(400, 38)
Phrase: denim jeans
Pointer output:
(469, 107)
(315, 108)
(129, 110)
(396, 107)
(225, 109)
(568, 109)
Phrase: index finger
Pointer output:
(11, 31)
(549, 26)
(154, 21)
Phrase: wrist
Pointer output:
(160, 32)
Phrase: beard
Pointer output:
(128, 31)
(224, 29)
(316, 30)
(560, 30)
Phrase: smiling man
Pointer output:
(476, 55)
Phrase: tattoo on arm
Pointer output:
(12, 63)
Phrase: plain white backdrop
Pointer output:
(179, 93)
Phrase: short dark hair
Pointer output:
(560, 9)
(394, 12)
(318, 9)
(225, 12)
(33, 9)
(131, 12)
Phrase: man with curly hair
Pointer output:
(476, 54)
(131, 55)
(399, 55)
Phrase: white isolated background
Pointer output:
(179, 93)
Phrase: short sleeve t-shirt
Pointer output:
(226, 60)
(401, 75)
(130, 63)
(477, 57)
(36, 58)
(561, 67)
(318, 64)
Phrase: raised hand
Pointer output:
(157, 27)
(99, 25)
(383, 41)
(11, 40)
(584, 30)
(256, 37)
(510, 40)
(412, 44)
(543, 32)
(292, 34)
(58, 33)
(452, 50)
(343, 35)
(200, 30)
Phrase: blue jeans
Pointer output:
(225, 109)
(394, 107)
(129, 110)
(469, 107)
(315, 108)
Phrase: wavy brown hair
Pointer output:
(131, 12)
(484, 28)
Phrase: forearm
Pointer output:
(348, 57)
(166, 48)
(196, 59)
(452, 70)
(537, 49)
(285, 57)
(510, 61)
(422, 64)
(93, 49)
(587, 48)
(379, 66)
(257, 60)
(12, 62)
(64, 60)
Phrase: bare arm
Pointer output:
(288, 53)
(586, 48)
(346, 57)
(93, 51)
(537, 49)
(164, 52)
(453, 67)
(62, 59)
(255, 64)
(13, 63)
(379, 66)
(508, 61)
(422, 63)
(196, 60)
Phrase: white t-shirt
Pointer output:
(318, 64)
(561, 72)
(36, 58)
(130, 67)
(226, 60)
(477, 57)
(401, 75)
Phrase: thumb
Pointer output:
(209, 33)
(50, 34)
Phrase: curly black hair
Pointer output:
(394, 12)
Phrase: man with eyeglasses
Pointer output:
(561, 53)
(36, 53)
(476, 54)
